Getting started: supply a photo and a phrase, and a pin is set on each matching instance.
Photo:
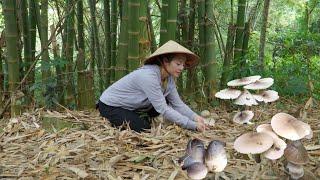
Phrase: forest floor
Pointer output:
(78, 144)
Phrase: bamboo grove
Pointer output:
(65, 53)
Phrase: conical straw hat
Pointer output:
(172, 47)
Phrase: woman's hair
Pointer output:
(159, 59)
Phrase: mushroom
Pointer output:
(195, 152)
(253, 143)
(277, 149)
(267, 96)
(216, 156)
(197, 171)
(243, 81)
(205, 113)
(289, 127)
(246, 98)
(243, 117)
(260, 84)
(228, 94)
(296, 155)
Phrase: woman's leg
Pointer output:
(119, 116)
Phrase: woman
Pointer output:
(151, 89)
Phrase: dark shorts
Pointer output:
(137, 121)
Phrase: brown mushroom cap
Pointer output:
(197, 171)
(267, 96)
(260, 84)
(246, 98)
(253, 143)
(243, 117)
(243, 81)
(289, 127)
(228, 94)
(296, 153)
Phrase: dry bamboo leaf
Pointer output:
(77, 171)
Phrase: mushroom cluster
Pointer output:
(267, 142)
(245, 97)
(198, 161)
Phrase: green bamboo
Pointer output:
(245, 47)
(114, 23)
(263, 33)
(144, 43)
(122, 58)
(164, 23)
(225, 76)
(201, 24)
(1, 78)
(81, 66)
(33, 31)
(152, 37)
(107, 31)
(192, 77)
(11, 38)
(172, 19)
(210, 55)
(70, 99)
(92, 4)
(27, 45)
(239, 38)
(133, 32)
(45, 59)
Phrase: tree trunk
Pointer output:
(70, 32)
(263, 34)
(164, 24)
(1, 76)
(11, 33)
(114, 23)
(210, 67)
(133, 32)
(239, 38)
(107, 29)
(122, 61)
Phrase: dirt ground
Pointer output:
(77, 144)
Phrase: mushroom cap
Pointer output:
(205, 113)
(277, 149)
(243, 117)
(193, 145)
(246, 98)
(296, 153)
(186, 161)
(260, 84)
(243, 81)
(266, 128)
(228, 94)
(253, 143)
(289, 127)
(267, 96)
(216, 156)
(197, 171)
(209, 122)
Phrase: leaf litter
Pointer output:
(92, 149)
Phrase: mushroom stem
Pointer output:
(257, 158)
(295, 170)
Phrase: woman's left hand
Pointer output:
(200, 120)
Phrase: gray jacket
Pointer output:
(141, 89)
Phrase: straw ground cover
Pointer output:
(87, 147)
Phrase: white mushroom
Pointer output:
(253, 143)
(289, 127)
(246, 98)
(243, 117)
(260, 84)
(243, 81)
(216, 156)
(267, 96)
(228, 94)
(197, 171)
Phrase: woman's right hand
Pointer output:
(201, 126)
